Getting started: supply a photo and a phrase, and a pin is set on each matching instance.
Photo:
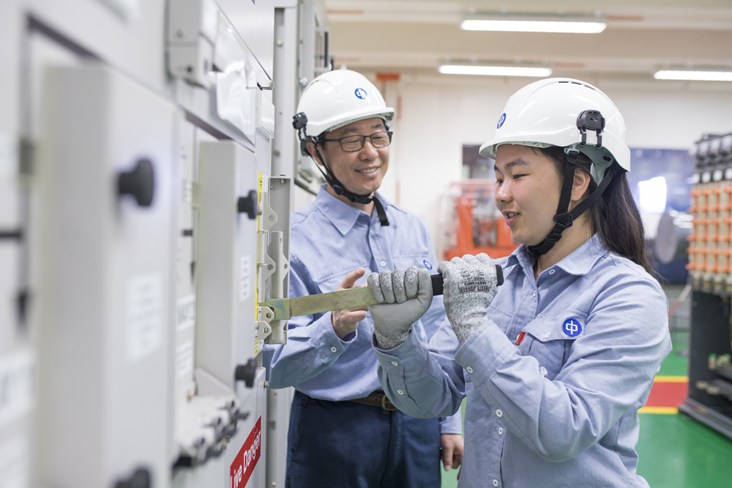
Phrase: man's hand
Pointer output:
(346, 321)
(409, 294)
(451, 450)
(469, 287)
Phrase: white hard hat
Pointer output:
(548, 112)
(339, 97)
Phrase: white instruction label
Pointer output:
(184, 359)
(17, 385)
(144, 316)
(244, 275)
(15, 464)
(186, 312)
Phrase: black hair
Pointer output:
(614, 216)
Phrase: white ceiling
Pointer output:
(643, 36)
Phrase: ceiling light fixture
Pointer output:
(688, 75)
(524, 25)
(452, 69)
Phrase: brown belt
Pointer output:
(376, 400)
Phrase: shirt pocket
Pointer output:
(549, 342)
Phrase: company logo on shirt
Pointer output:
(572, 327)
(360, 93)
(427, 264)
(501, 121)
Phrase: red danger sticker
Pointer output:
(249, 454)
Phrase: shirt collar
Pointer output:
(579, 262)
(340, 214)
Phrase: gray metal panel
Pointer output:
(254, 21)
(226, 260)
(134, 46)
(105, 286)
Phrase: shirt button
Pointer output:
(383, 263)
(469, 369)
(334, 349)
(534, 293)
(547, 334)
(495, 482)
(499, 413)
(395, 363)
(500, 431)
(551, 271)
(400, 392)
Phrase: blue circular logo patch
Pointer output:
(572, 327)
(501, 120)
(360, 93)
(427, 264)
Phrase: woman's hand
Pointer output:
(469, 287)
(410, 295)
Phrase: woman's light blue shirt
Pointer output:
(561, 408)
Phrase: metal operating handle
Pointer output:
(437, 281)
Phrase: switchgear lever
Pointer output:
(140, 183)
(248, 205)
(285, 308)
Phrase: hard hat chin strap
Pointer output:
(564, 218)
(341, 190)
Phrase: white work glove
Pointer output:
(469, 287)
(399, 288)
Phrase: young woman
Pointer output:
(557, 361)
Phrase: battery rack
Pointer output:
(709, 397)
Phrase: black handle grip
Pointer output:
(437, 281)
(139, 183)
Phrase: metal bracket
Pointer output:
(262, 327)
(268, 217)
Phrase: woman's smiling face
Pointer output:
(527, 193)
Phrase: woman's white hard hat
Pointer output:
(545, 113)
(339, 97)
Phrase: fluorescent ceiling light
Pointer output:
(450, 69)
(558, 26)
(693, 75)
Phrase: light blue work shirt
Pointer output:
(561, 408)
(329, 239)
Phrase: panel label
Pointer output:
(244, 275)
(184, 359)
(144, 316)
(186, 312)
(245, 462)
(17, 385)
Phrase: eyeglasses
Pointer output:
(356, 143)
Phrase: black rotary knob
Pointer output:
(140, 479)
(140, 183)
(248, 204)
(246, 373)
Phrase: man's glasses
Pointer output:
(356, 143)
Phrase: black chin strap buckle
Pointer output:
(564, 220)
(591, 120)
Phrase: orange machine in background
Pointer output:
(473, 223)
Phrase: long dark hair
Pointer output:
(614, 216)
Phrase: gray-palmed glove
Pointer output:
(469, 287)
(393, 320)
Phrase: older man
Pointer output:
(343, 430)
